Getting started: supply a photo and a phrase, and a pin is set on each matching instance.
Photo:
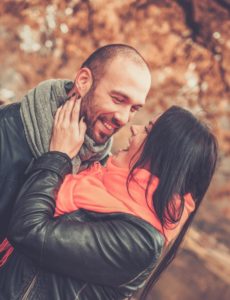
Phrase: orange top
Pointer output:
(103, 189)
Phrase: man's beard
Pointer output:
(88, 110)
(88, 113)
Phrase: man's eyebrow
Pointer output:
(126, 97)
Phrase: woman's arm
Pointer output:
(109, 252)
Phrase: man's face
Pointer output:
(115, 99)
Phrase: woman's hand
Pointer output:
(68, 132)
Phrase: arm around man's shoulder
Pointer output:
(102, 249)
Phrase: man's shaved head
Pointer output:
(100, 59)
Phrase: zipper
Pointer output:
(29, 288)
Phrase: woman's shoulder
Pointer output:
(150, 233)
(146, 241)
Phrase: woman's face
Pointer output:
(127, 157)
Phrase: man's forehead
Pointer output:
(131, 81)
(129, 73)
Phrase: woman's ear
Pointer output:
(83, 81)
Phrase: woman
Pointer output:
(107, 253)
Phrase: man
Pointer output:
(113, 84)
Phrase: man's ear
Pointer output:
(83, 81)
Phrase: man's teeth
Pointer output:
(108, 125)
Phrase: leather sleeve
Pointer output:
(111, 251)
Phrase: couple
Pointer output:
(80, 230)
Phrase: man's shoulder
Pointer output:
(9, 111)
(67, 83)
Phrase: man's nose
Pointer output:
(123, 116)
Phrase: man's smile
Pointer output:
(108, 127)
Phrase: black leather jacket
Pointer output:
(15, 156)
(82, 255)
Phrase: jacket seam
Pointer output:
(43, 247)
(81, 290)
(133, 279)
(125, 216)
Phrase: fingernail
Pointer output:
(78, 97)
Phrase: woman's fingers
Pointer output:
(65, 114)
(56, 117)
(68, 113)
(82, 128)
(68, 132)
(75, 115)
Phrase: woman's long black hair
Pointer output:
(182, 152)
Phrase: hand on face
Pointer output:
(68, 132)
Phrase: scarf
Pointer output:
(38, 108)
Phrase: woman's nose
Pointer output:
(135, 129)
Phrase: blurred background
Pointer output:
(187, 46)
